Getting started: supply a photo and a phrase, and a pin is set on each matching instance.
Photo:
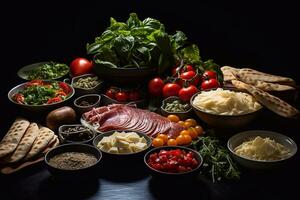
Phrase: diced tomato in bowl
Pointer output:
(169, 162)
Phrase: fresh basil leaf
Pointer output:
(178, 40)
(105, 63)
(114, 25)
(133, 21)
(190, 54)
(153, 23)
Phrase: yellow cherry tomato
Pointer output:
(172, 142)
(173, 118)
(157, 142)
(181, 123)
(184, 132)
(187, 124)
(187, 139)
(180, 140)
(193, 132)
(164, 137)
(192, 121)
(199, 130)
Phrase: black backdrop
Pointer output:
(262, 36)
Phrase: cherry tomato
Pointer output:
(185, 94)
(187, 139)
(180, 140)
(121, 96)
(181, 123)
(192, 121)
(171, 142)
(171, 89)
(19, 98)
(155, 86)
(210, 75)
(80, 66)
(188, 76)
(199, 130)
(34, 82)
(209, 84)
(65, 87)
(185, 68)
(184, 132)
(157, 142)
(187, 124)
(134, 95)
(110, 93)
(193, 132)
(164, 137)
(173, 118)
(54, 100)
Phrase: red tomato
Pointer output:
(80, 66)
(185, 68)
(210, 75)
(185, 94)
(121, 96)
(155, 86)
(134, 95)
(110, 93)
(34, 82)
(19, 98)
(173, 161)
(171, 89)
(54, 100)
(211, 83)
(65, 87)
(188, 76)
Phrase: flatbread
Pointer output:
(261, 76)
(227, 73)
(271, 102)
(14, 168)
(265, 86)
(41, 142)
(13, 137)
(25, 144)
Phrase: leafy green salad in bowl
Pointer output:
(44, 71)
(39, 94)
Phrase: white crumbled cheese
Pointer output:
(122, 142)
(262, 149)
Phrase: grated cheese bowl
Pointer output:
(248, 163)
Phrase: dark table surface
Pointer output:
(133, 182)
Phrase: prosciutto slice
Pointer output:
(124, 117)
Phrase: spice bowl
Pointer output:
(82, 165)
(86, 103)
(87, 86)
(75, 133)
(253, 164)
(181, 114)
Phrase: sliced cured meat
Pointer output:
(124, 117)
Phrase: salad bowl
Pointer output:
(29, 96)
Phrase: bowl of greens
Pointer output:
(44, 71)
(39, 95)
(132, 51)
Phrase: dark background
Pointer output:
(263, 36)
(246, 34)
